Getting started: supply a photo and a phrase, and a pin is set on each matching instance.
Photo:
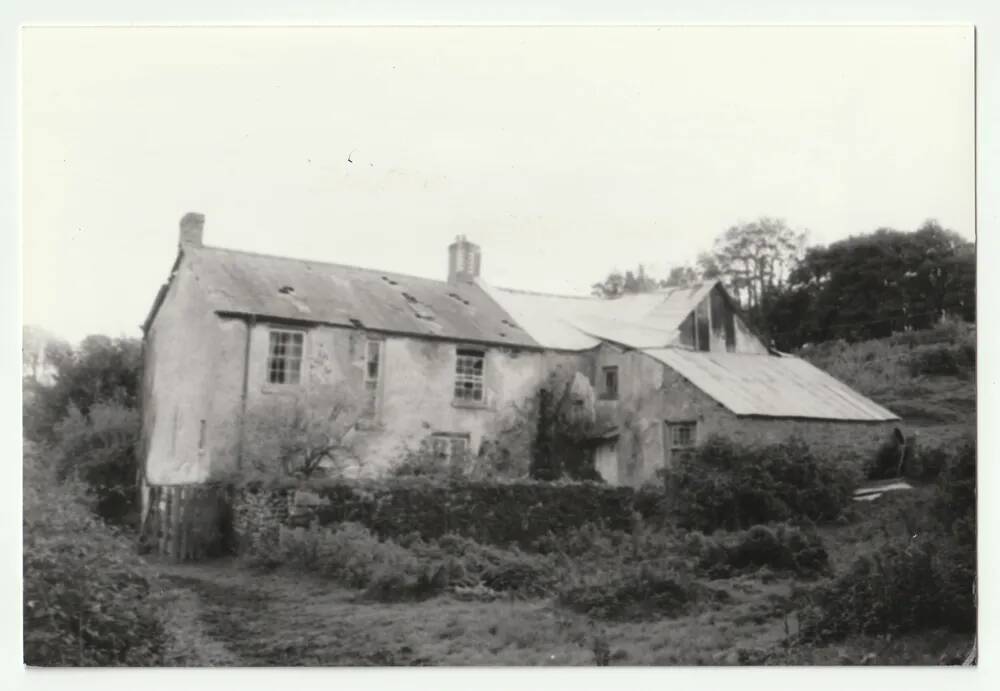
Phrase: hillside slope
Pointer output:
(926, 377)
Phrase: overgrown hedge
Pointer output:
(922, 579)
(729, 486)
(488, 512)
(88, 599)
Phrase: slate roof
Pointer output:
(771, 385)
(302, 290)
(578, 323)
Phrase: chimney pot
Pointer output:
(192, 229)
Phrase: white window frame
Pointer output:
(465, 374)
(271, 357)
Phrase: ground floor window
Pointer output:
(681, 438)
(449, 447)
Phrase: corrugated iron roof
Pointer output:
(302, 290)
(770, 385)
(577, 323)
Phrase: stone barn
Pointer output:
(232, 335)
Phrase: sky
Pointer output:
(562, 152)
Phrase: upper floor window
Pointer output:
(610, 383)
(284, 357)
(469, 375)
(373, 364)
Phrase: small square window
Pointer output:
(682, 435)
(610, 383)
(284, 357)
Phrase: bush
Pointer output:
(913, 582)
(782, 548)
(729, 486)
(647, 591)
(387, 570)
(88, 599)
(943, 360)
(99, 448)
(488, 512)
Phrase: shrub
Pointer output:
(488, 512)
(99, 448)
(647, 591)
(350, 554)
(782, 548)
(913, 582)
(729, 486)
(942, 360)
(387, 570)
(88, 599)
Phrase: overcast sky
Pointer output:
(563, 152)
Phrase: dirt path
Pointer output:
(223, 614)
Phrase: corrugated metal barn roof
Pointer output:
(770, 385)
(577, 323)
(298, 289)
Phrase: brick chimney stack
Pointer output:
(192, 229)
(464, 259)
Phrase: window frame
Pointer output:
(683, 425)
(673, 452)
(610, 393)
(477, 380)
(449, 439)
(373, 384)
(270, 357)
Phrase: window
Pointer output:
(284, 357)
(373, 362)
(682, 438)
(469, 375)
(610, 383)
(449, 447)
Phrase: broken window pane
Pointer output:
(469, 375)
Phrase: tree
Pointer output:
(617, 284)
(565, 428)
(100, 369)
(875, 284)
(84, 411)
(754, 260)
(299, 437)
(681, 277)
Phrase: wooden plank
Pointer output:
(175, 523)
(184, 522)
(164, 510)
(197, 529)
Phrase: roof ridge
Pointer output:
(303, 260)
(521, 291)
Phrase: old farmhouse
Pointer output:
(449, 359)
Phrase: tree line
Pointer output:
(866, 286)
